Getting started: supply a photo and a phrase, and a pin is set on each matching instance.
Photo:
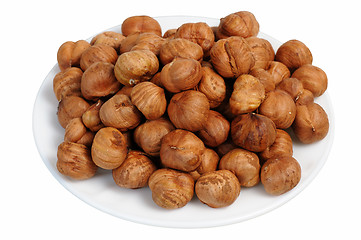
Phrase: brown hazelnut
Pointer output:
(169, 34)
(156, 80)
(264, 77)
(312, 78)
(262, 51)
(109, 148)
(74, 160)
(69, 54)
(232, 57)
(119, 112)
(76, 132)
(149, 99)
(241, 23)
(209, 163)
(218, 188)
(248, 93)
(280, 174)
(142, 41)
(141, 24)
(189, 110)
(181, 150)
(171, 189)
(305, 98)
(292, 86)
(67, 83)
(281, 146)
(180, 47)
(226, 147)
(213, 86)
(91, 117)
(311, 123)
(71, 107)
(126, 90)
(294, 54)
(110, 38)
(136, 66)
(181, 74)
(98, 53)
(149, 135)
(253, 132)
(278, 71)
(279, 107)
(215, 130)
(244, 164)
(99, 81)
(134, 171)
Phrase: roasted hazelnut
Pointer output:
(76, 132)
(243, 24)
(209, 163)
(248, 93)
(264, 77)
(218, 188)
(232, 57)
(74, 160)
(279, 107)
(69, 54)
(149, 99)
(280, 174)
(156, 80)
(181, 74)
(98, 53)
(189, 110)
(169, 34)
(91, 118)
(305, 97)
(278, 71)
(110, 38)
(312, 78)
(71, 107)
(180, 47)
(181, 150)
(171, 189)
(215, 130)
(311, 123)
(292, 86)
(262, 51)
(213, 86)
(119, 112)
(126, 90)
(244, 164)
(141, 24)
(281, 146)
(134, 171)
(294, 54)
(99, 81)
(142, 41)
(226, 147)
(109, 148)
(253, 132)
(67, 83)
(149, 135)
(135, 67)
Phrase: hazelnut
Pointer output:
(292, 86)
(171, 189)
(90, 117)
(142, 41)
(211, 187)
(71, 107)
(110, 38)
(248, 93)
(215, 130)
(141, 24)
(209, 163)
(232, 57)
(109, 148)
(67, 83)
(69, 54)
(181, 150)
(253, 132)
(181, 74)
(136, 66)
(278, 71)
(126, 90)
(305, 97)
(311, 123)
(74, 160)
(312, 78)
(281, 146)
(226, 147)
(280, 174)
(119, 112)
(294, 54)
(279, 107)
(262, 51)
(99, 81)
(156, 80)
(189, 110)
(149, 99)
(98, 53)
(213, 86)
(180, 47)
(243, 24)
(76, 132)
(244, 164)
(169, 34)
(134, 171)
(264, 77)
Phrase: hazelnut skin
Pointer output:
(141, 24)
(278, 71)
(213, 86)
(169, 34)
(67, 83)
(171, 189)
(264, 77)
(292, 86)
(209, 163)
(110, 38)
(311, 123)
(280, 174)
(134, 171)
(281, 146)
(69, 54)
(262, 51)
(180, 47)
(305, 98)
(71, 107)
(90, 117)
(211, 187)
(76, 132)
(98, 53)
(142, 41)
(74, 160)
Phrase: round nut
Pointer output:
(141, 24)
(281, 146)
(278, 71)
(180, 47)
(209, 163)
(142, 41)
(262, 51)
(91, 117)
(76, 132)
(98, 53)
(69, 54)
(67, 83)
(213, 86)
(71, 107)
(292, 86)
(110, 38)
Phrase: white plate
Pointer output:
(136, 205)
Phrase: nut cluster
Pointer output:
(202, 110)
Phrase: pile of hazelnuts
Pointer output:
(200, 110)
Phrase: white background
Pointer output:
(34, 205)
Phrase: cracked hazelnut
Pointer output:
(67, 83)
(71, 107)
(213, 86)
(69, 54)
(110, 38)
(209, 163)
(91, 117)
(262, 51)
(281, 146)
(180, 47)
(141, 24)
(76, 132)
(98, 53)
